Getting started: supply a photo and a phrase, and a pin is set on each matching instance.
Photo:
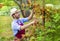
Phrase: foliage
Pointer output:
(52, 23)
(5, 10)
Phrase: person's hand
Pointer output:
(23, 36)
(35, 21)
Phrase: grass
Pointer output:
(5, 28)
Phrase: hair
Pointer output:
(13, 16)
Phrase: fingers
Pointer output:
(23, 36)
(35, 21)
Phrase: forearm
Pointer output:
(26, 26)
(31, 16)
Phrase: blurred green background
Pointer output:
(5, 21)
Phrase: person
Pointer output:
(18, 25)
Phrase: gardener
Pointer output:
(18, 26)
